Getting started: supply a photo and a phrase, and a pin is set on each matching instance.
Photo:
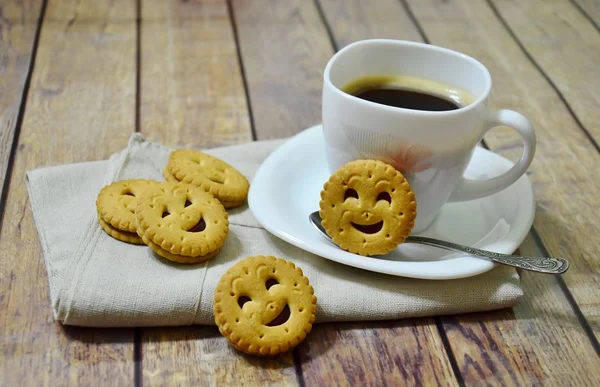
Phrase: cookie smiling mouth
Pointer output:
(368, 228)
(281, 318)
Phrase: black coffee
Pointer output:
(408, 92)
(407, 99)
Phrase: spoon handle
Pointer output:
(538, 264)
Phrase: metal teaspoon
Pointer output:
(538, 264)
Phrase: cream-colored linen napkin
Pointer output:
(98, 281)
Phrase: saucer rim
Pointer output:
(506, 245)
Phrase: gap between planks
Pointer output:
(21, 114)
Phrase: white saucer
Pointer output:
(287, 186)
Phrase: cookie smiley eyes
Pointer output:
(384, 196)
(242, 300)
(270, 282)
(350, 193)
(281, 318)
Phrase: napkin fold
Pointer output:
(98, 281)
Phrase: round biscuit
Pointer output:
(116, 203)
(264, 305)
(170, 178)
(209, 173)
(182, 219)
(367, 207)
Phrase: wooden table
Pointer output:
(78, 77)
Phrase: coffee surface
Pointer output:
(408, 93)
(407, 99)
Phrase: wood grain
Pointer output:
(404, 352)
(80, 107)
(567, 204)
(591, 8)
(200, 356)
(566, 46)
(192, 94)
(18, 26)
(352, 20)
(285, 48)
(539, 342)
(284, 78)
(492, 347)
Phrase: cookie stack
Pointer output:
(184, 219)
(263, 305)
(116, 209)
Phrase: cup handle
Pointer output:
(473, 189)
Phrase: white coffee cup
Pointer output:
(431, 148)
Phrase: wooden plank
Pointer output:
(284, 77)
(591, 9)
(566, 46)
(192, 94)
(80, 107)
(285, 48)
(567, 206)
(18, 26)
(404, 352)
(537, 342)
(200, 356)
(352, 20)
(479, 353)
(192, 88)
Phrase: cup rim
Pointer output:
(426, 46)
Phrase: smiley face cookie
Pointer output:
(264, 305)
(181, 223)
(209, 173)
(367, 207)
(116, 204)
